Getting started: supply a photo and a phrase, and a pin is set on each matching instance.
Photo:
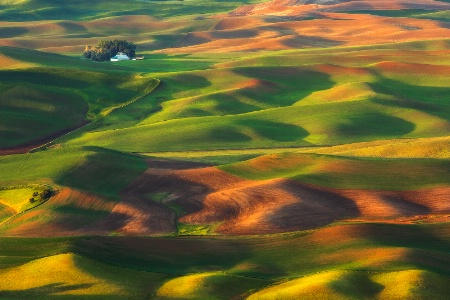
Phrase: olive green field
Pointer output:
(260, 150)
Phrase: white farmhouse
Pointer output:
(120, 56)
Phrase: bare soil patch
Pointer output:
(208, 195)
(170, 191)
(285, 24)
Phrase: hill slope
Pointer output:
(261, 149)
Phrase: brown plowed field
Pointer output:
(294, 7)
(289, 24)
(209, 195)
(274, 25)
(404, 68)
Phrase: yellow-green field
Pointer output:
(260, 150)
(374, 261)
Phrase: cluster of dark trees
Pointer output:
(42, 196)
(107, 49)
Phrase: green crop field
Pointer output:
(259, 150)
(42, 102)
(381, 174)
(364, 263)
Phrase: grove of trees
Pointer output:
(42, 196)
(107, 49)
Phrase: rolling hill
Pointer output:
(261, 150)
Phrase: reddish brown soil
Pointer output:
(18, 150)
(292, 7)
(208, 195)
(137, 214)
(279, 24)
(286, 24)
(405, 68)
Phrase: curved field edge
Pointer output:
(379, 92)
(102, 191)
(436, 147)
(222, 108)
(345, 172)
(210, 113)
(18, 199)
(41, 103)
(410, 261)
(69, 274)
(406, 284)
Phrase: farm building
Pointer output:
(120, 56)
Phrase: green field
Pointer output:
(410, 13)
(43, 102)
(370, 260)
(339, 172)
(257, 152)
(90, 10)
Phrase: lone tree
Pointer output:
(107, 49)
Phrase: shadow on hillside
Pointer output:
(42, 77)
(151, 104)
(72, 27)
(283, 86)
(404, 206)
(429, 99)
(228, 103)
(275, 131)
(234, 34)
(164, 41)
(429, 249)
(71, 217)
(358, 285)
(302, 41)
(103, 172)
(283, 31)
(48, 291)
(186, 82)
(228, 134)
(176, 256)
(314, 208)
(294, 39)
(10, 32)
(282, 19)
(180, 83)
(410, 236)
(373, 124)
